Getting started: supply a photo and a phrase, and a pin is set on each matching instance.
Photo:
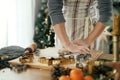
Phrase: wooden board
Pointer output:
(53, 52)
(49, 52)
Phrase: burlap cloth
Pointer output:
(94, 54)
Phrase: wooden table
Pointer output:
(48, 53)
(30, 74)
(37, 71)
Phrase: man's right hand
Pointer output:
(76, 48)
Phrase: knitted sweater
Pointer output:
(55, 10)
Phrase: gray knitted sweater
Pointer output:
(56, 14)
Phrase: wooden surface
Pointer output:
(48, 53)
(34, 64)
(53, 52)
(30, 74)
(41, 73)
(37, 72)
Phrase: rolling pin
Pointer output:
(31, 48)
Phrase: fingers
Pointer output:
(77, 48)
(81, 49)
(84, 49)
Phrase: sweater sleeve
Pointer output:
(105, 11)
(55, 11)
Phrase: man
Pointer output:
(68, 20)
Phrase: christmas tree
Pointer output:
(43, 35)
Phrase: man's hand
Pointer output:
(62, 36)
(74, 48)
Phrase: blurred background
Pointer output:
(25, 21)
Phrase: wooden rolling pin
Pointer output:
(31, 48)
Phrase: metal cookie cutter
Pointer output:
(18, 68)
